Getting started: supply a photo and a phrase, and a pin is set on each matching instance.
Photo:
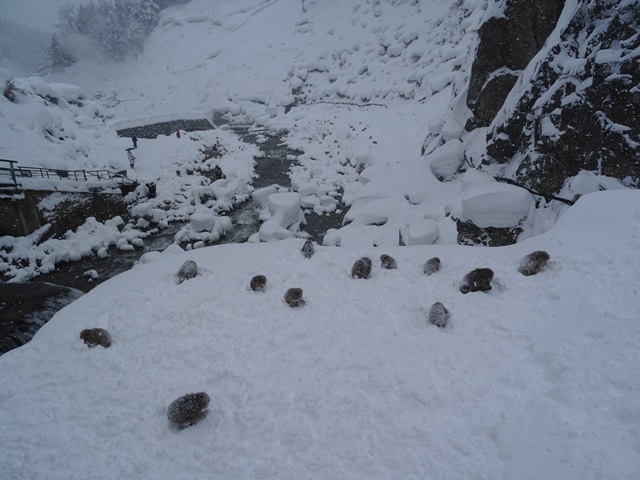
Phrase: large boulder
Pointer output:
(446, 160)
(286, 215)
(492, 214)
(579, 107)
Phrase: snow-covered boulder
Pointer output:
(451, 129)
(375, 212)
(421, 232)
(284, 217)
(66, 91)
(202, 222)
(496, 205)
(373, 172)
(272, 230)
(204, 227)
(447, 159)
(306, 188)
(492, 214)
(261, 195)
(285, 208)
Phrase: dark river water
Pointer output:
(271, 169)
(17, 326)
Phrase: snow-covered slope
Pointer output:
(535, 379)
(356, 86)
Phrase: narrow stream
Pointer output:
(271, 169)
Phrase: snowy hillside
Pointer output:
(21, 47)
(356, 86)
(535, 379)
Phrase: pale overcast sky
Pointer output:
(42, 14)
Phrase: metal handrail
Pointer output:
(15, 172)
(11, 173)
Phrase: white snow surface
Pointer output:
(535, 379)
(368, 79)
(496, 205)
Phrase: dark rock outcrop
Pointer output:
(188, 410)
(580, 110)
(361, 268)
(478, 280)
(96, 336)
(507, 45)
(471, 234)
(534, 263)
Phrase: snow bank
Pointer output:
(285, 216)
(447, 159)
(497, 394)
(495, 205)
(421, 232)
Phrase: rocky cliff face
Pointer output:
(507, 45)
(579, 107)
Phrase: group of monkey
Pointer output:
(193, 407)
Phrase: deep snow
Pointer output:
(535, 379)
(356, 86)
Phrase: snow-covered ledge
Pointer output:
(492, 213)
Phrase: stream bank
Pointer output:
(85, 274)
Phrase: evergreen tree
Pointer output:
(58, 58)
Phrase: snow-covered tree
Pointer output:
(119, 26)
(57, 56)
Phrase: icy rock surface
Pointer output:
(447, 159)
